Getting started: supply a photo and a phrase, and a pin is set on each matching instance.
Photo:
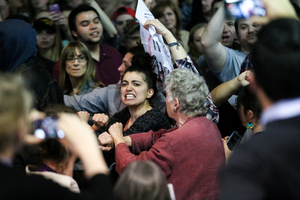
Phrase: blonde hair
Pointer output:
(57, 46)
(15, 103)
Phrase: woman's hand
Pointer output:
(226, 149)
(80, 139)
(106, 142)
(60, 20)
(83, 115)
(100, 120)
(116, 131)
(160, 28)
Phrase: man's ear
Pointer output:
(150, 93)
(74, 33)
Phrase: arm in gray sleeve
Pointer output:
(93, 102)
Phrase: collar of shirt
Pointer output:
(283, 109)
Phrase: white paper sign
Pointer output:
(153, 43)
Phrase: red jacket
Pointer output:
(190, 157)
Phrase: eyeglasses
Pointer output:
(72, 59)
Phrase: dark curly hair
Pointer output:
(145, 64)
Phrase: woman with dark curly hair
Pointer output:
(138, 87)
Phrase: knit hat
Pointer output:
(122, 11)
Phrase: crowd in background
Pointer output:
(84, 115)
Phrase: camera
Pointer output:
(243, 9)
(47, 128)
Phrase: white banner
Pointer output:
(153, 43)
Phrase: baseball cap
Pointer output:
(122, 11)
(44, 23)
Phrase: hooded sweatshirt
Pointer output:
(17, 56)
(17, 44)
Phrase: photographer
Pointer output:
(15, 103)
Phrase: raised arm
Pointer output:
(93, 102)
(214, 52)
(105, 20)
(224, 91)
(177, 52)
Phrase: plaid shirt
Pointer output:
(212, 112)
(246, 65)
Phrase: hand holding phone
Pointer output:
(47, 128)
(54, 8)
(243, 9)
(234, 139)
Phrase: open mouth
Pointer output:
(129, 96)
(225, 38)
(95, 34)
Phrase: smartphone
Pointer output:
(234, 139)
(47, 128)
(243, 9)
(54, 8)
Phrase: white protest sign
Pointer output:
(153, 43)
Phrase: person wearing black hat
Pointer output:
(48, 42)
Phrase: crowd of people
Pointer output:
(83, 114)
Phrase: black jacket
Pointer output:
(15, 185)
(43, 86)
